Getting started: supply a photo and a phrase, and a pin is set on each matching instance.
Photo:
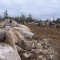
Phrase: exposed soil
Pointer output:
(53, 34)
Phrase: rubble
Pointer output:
(29, 49)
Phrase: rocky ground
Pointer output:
(51, 34)
(39, 50)
(36, 43)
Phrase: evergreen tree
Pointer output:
(29, 18)
(5, 15)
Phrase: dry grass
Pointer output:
(46, 32)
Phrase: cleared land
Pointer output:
(53, 34)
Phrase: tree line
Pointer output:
(23, 18)
(20, 19)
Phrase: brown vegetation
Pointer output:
(53, 34)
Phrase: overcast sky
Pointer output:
(37, 8)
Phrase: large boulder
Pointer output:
(24, 32)
(22, 29)
(8, 53)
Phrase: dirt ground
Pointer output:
(53, 34)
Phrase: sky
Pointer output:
(40, 9)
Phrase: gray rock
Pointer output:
(39, 57)
(44, 52)
(39, 46)
(8, 53)
(45, 41)
(6, 28)
(44, 59)
(19, 49)
(26, 55)
(36, 51)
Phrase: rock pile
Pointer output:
(39, 50)
(20, 38)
